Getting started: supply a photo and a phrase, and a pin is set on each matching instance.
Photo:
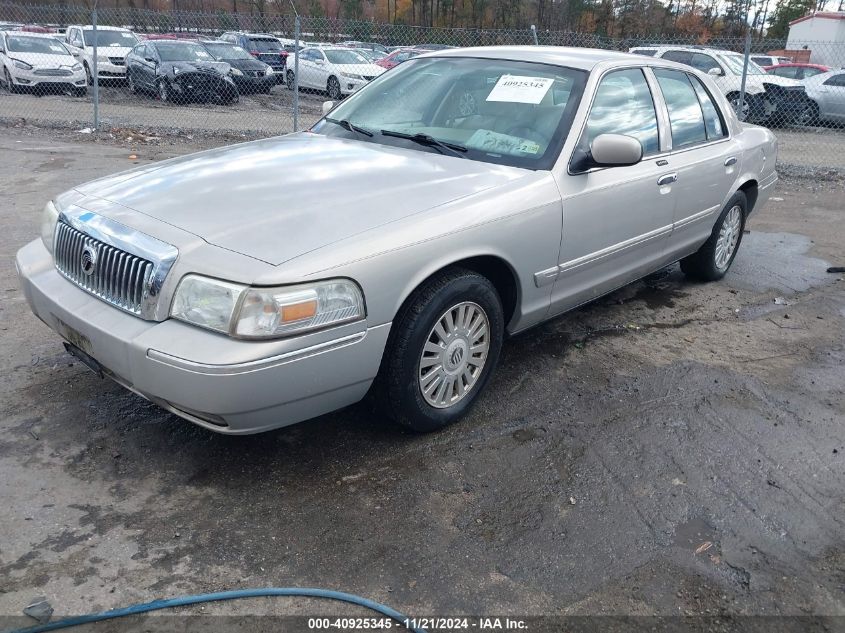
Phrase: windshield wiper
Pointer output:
(425, 139)
(346, 125)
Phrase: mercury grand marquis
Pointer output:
(462, 197)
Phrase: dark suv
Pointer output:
(263, 47)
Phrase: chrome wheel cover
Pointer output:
(454, 354)
(729, 234)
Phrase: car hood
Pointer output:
(188, 67)
(110, 51)
(44, 60)
(246, 64)
(359, 69)
(279, 198)
(786, 82)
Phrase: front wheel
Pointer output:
(164, 91)
(129, 80)
(752, 107)
(333, 89)
(714, 258)
(809, 115)
(10, 84)
(443, 347)
(88, 76)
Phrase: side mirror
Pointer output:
(608, 150)
(715, 72)
(327, 107)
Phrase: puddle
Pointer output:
(777, 262)
(698, 536)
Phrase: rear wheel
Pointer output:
(443, 347)
(129, 80)
(714, 258)
(291, 79)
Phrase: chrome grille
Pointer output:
(117, 61)
(53, 72)
(118, 277)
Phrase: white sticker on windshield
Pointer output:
(493, 142)
(517, 89)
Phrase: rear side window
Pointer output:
(836, 80)
(623, 105)
(682, 57)
(713, 123)
(703, 62)
(685, 115)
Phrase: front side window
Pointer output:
(682, 57)
(713, 123)
(623, 105)
(703, 62)
(492, 110)
(685, 115)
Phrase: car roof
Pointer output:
(49, 36)
(89, 27)
(582, 58)
(691, 49)
(799, 65)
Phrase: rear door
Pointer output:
(703, 156)
(832, 102)
(616, 220)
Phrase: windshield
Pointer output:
(735, 63)
(227, 51)
(183, 52)
(266, 45)
(501, 111)
(344, 57)
(111, 38)
(45, 45)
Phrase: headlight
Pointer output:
(103, 59)
(49, 218)
(175, 71)
(76, 67)
(246, 312)
(273, 312)
(22, 65)
(236, 72)
(269, 70)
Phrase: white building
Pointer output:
(822, 33)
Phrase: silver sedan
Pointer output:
(464, 196)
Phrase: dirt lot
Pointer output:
(675, 448)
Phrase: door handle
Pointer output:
(730, 161)
(667, 179)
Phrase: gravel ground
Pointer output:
(674, 448)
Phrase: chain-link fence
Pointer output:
(218, 74)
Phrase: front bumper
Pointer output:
(107, 70)
(348, 86)
(223, 384)
(30, 78)
(247, 84)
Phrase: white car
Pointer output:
(767, 97)
(339, 71)
(37, 61)
(113, 44)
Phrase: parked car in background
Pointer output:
(179, 71)
(9, 26)
(767, 97)
(338, 71)
(113, 44)
(769, 60)
(372, 46)
(373, 56)
(796, 70)
(414, 235)
(826, 94)
(433, 47)
(37, 62)
(250, 75)
(398, 56)
(265, 48)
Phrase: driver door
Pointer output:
(616, 220)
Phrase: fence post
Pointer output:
(744, 76)
(534, 33)
(94, 71)
(296, 33)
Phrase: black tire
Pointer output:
(131, 82)
(752, 110)
(291, 78)
(10, 85)
(164, 92)
(810, 114)
(333, 89)
(398, 386)
(88, 76)
(702, 264)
